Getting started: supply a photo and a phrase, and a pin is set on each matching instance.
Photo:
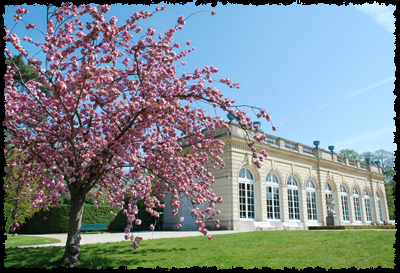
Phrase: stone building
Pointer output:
(291, 189)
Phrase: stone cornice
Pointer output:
(235, 139)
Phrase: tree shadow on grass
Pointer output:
(95, 256)
(116, 256)
(41, 257)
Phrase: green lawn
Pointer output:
(270, 249)
(22, 240)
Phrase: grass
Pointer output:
(22, 240)
(269, 249)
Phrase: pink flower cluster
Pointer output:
(181, 20)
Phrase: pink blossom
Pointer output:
(203, 230)
(135, 245)
(104, 8)
(181, 20)
(113, 20)
(20, 10)
(150, 31)
(17, 18)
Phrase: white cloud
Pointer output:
(380, 14)
(372, 86)
(303, 114)
(371, 141)
(321, 107)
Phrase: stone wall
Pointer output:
(288, 158)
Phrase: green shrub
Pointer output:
(7, 219)
(57, 219)
(354, 227)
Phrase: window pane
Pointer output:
(242, 200)
(273, 203)
(368, 209)
(357, 208)
(242, 173)
(249, 175)
(380, 210)
(292, 181)
(311, 206)
(310, 184)
(246, 200)
(293, 204)
(345, 208)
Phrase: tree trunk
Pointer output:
(72, 247)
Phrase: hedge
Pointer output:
(7, 219)
(58, 219)
(354, 227)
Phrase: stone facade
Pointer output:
(290, 190)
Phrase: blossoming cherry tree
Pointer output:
(115, 101)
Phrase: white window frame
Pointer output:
(357, 205)
(328, 193)
(273, 197)
(312, 212)
(345, 203)
(379, 203)
(293, 198)
(247, 200)
(367, 202)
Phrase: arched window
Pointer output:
(378, 201)
(311, 200)
(273, 204)
(357, 205)
(345, 203)
(246, 194)
(293, 198)
(328, 193)
(367, 203)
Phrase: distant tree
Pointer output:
(350, 154)
(391, 198)
(26, 73)
(386, 162)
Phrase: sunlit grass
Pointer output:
(22, 240)
(270, 249)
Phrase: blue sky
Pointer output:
(324, 72)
